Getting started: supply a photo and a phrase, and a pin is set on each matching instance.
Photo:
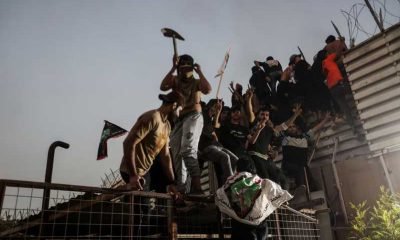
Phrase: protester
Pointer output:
(209, 146)
(258, 142)
(233, 135)
(295, 148)
(272, 68)
(338, 87)
(148, 138)
(186, 133)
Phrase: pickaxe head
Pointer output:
(168, 32)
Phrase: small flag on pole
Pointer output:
(224, 63)
(110, 130)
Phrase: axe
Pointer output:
(168, 32)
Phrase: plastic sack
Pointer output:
(250, 199)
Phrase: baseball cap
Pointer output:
(172, 97)
(185, 60)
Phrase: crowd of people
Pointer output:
(166, 148)
(271, 116)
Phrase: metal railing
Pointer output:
(285, 223)
(81, 212)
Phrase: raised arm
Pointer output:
(343, 43)
(249, 106)
(204, 85)
(169, 80)
(297, 111)
(218, 106)
(321, 124)
(253, 136)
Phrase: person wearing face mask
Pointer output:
(187, 130)
(148, 138)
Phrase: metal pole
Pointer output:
(2, 195)
(373, 13)
(49, 171)
(172, 223)
(307, 184)
(277, 222)
(221, 234)
(299, 213)
(47, 180)
(337, 181)
(385, 169)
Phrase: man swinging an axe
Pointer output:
(186, 133)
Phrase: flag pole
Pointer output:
(221, 71)
(219, 85)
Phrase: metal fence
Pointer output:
(374, 73)
(284, 224)
(80, 212)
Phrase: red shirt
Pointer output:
(334, 76)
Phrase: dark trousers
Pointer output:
(296, 171)
(241, 231)
(268, 169)
(339, 93)
(142, 209)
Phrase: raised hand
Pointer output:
(197, 68)
(175, 60)
(218, 105)
(297, 108)
(249, 93)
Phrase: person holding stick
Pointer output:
(186, 133)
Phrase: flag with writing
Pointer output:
(224, 63)
(110, 130)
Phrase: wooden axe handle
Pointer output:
(174, 42)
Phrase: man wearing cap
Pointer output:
(186, 133)
(148, 138)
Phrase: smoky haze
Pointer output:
(66, 66)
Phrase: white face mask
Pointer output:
(189, 74)
(177, 111)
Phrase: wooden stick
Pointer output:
(219, 84)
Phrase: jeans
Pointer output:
(184, 143)
(224, 158)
